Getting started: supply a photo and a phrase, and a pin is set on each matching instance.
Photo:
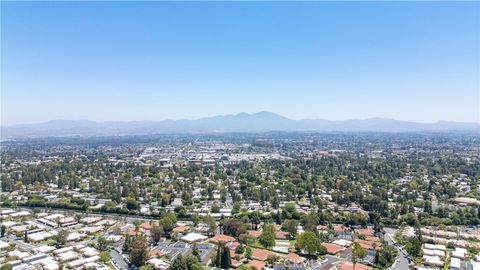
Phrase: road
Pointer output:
(19, 242)
(229, 201)
(402, 260)
(119, 261)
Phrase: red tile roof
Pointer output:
(349, 266)
(333, 248)
(281, 235)
(369, 244)
(221, 238)
(294, 258)
(257, 264)
(236, 264)
(148, 225)
(261, 254)
(181, 229)
(254, 234)
(155, 253)
(366, 232)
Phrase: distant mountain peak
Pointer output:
(242, 122)
(266, 114)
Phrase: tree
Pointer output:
(132, 204)
(310, 222)
(290, 226)
(168, 222)
(255, 218)
(195, 219)
(212, 224)
(240, 249)
(226, 261)
(233, 227)
(2, 231)
(25, 237)
(245, 267)
(427, 208)
(138, 252)
(103, 244)
(6, 266)
(386, 256)
(310, 242)
(278, 217)
(61, 238)
(147, 267)
(218, 257)
(248, 252)
(267, 238)
(414, 246)
(358, 252)
(187, 262)
(179, 263)
(128, 242)
(196, 252)
(105, 256)
(215, 208)
(236, 208)
(156, 233)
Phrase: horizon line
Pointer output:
(237, 114)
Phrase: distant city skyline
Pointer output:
(137, 61)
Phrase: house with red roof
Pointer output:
(221, 239)
(259, 265)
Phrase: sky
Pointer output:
(126, 61)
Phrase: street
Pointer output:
(402, 262)
(119, 261)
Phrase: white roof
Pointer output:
(8, 224)
(3, 244)
(90, 219)
(433, 252)
(92, 229)
(89, 251)
(114, 238)
(459, 252)
(17, 253)
(76, 263)
(44, 249)
(20, 214)
(75, 236)
(68, 256)
(437, 247)
(54, 216)
(61, 250)
(158, 263)
(455, 263)
(40, 236)
(7, 211)
(194, 237)
(434, 260)
(343, 242)
(49, 264)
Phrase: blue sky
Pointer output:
(417, 61)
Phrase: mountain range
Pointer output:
(242, 122)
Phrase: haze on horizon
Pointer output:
(126, 61)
